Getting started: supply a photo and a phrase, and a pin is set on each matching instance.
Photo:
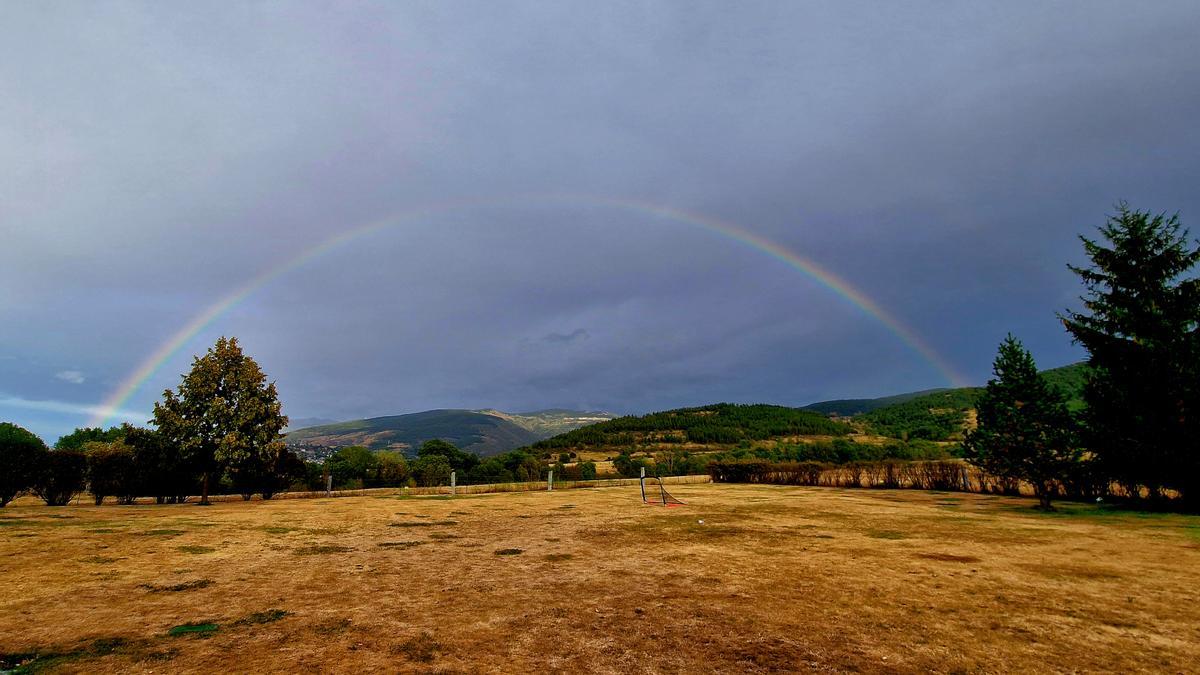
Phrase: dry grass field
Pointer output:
(743, 578)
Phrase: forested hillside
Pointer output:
(722, 423)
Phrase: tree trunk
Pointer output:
(204, 490)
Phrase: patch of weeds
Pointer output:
(886, 534)
(105, 646)
(331, 626)
(61, 516)
(15, 522)
(326, 530)
(558, 557)
(949, 557)
(553, 539)
(399, 544)
(200, 629)
(162, 533)
(178, 588)
(322, 549)
(99, 559)
(510, 551)
(101, 530)
(422, 648)
(410, 524)
(823, 536)
(267, 616)
(32, 662)
(197, 550)
(277, 529)
(567, 506)
(444, 535)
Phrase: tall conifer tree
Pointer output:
(1139, 325)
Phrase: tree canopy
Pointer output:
(224, 416)
(21, 453)
(1024, 430)
(1140, 327)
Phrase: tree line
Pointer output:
(1134, 433)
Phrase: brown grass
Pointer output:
(773, 578)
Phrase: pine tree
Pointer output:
(1140, 329)
(224, 416)
(1024, 430)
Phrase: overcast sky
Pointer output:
(940, 158)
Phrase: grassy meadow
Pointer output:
(743, 578)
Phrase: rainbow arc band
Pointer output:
(210, 314)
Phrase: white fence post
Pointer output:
(550, 481)
(329, 485)
(452, 481)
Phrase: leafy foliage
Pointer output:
(21, 455)
(80, 437)
(111, 471)
(224, 416)
(61, 476)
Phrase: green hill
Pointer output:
(938, 414)
(720, 424)
(484, 432)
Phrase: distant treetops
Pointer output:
(222, 423)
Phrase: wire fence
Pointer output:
(484, 488)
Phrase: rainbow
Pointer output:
(150, 365)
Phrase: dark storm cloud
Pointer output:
(941, 158)
(566, 338)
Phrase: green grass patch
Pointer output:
(201, 629)
(16, 522)
(557, 557)
(510, 551)
(267, 616)
(99, 559)
(197, 550)
(886, 534)
(400, 544)
(162, 533)
(276, 529)
(178, 588)
(322, 549)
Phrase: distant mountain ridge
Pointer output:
(484, 432)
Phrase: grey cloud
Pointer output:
(566, 338)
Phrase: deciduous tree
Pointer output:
(21, 456)
(224, 415)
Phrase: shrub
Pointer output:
(587, 471)
(21, 455)
(111, 471)
(62, 475)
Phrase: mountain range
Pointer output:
(484, 432)
(930, 414)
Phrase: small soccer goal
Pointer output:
(654, 492)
